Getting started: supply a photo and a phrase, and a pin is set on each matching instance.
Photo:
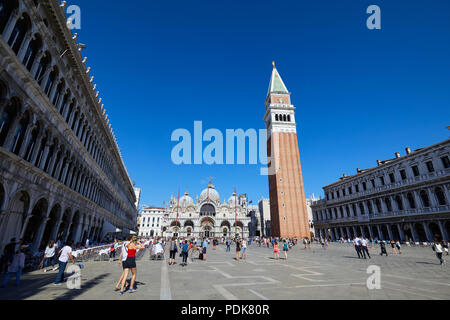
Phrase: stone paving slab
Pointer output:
(317, 274)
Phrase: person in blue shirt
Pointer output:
(228, 245)
(184, 252)
(204, 246)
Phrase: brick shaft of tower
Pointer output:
(288, 210)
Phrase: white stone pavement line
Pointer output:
(164, 293)
(409, 287)
(306, 273)
(411, 292)
(326, 285)
(227, 294)
(417, 279)
(258, 294)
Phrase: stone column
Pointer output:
(10, 25)
(427, 232)
(443, 231)
(44, 156)
(26, 140)
(349, 235)
(25, 44)
(433, 201)
(363, 234)
(36, 150)
(11, 134)
(400, 231)
(354, 231)
(380, 232)
(36, 62)
(342, 232)
(37, 241)
(413, 232)
(383, 205)
(56, 228)
(389, 231)
(419, 204)
(370, 230)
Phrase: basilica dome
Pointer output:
(213, 194)
(186, 201)
(232, 200)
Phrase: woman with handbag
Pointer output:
(173, 249)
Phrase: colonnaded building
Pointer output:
(207, 216)
(404, 198)
(61, 172)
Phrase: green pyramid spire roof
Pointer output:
(276, 83)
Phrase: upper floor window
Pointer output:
(357, 187)
(425, 199)
(440, 196)
(391, 177)
(403, 174)
(430, 166)
(415, 171)
(373, 183)
(445, 162)
(364, 186)
(382, 181)
(349, 190)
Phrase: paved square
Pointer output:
(335, 273)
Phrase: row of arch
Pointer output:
(17, 29)
(283, 117)
(425, 231)
(39, 220)
(410, 200)
(22, 133)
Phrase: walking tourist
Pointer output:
(204, 246)
(393, 246)
(228, 244)
(437, 247)
(276, 251)
(244, 249)
(122, 258)
(130, 264)
(357, 245)
(398, 246)
(286, 248)
(15, 267)
(238, 249)
(184, 252)
(364, 249)
(383, 248)
(64, 255)
(173, 249)
(49, 256)
(8, 254)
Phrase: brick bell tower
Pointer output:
(288, 212)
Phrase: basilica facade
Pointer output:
(207, 216)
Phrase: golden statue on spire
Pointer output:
(273, 64)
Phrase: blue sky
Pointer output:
(361, 95)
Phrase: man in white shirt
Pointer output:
(364, 248)
(437, 247)
(357, 244)
(64, 254)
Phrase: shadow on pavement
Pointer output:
(29, 286)
(71, 294)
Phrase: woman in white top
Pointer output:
(49, 256)
(243, 249)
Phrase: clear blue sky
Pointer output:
(361, 95)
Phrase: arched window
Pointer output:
(276, 117)
(6, 9)
(440, 196)
(289, 118)
(69, 113)
(21, 28)
(7, 118)
(284, 117)
(411, 201)
(51, 81)
(58, 93)
(425, 199)
(369, 207)
(32, 51)
(44, 63)
(354, 210)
